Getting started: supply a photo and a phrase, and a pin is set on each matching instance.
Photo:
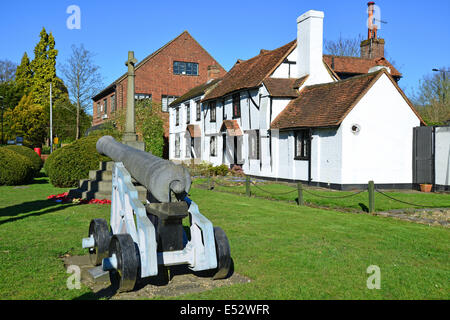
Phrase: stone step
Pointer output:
(90, 194)
(100, 175)
(142, 195)
(106, 165)
(96, 195)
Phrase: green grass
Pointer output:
(289, 252)
(34, 233)
(323, 197)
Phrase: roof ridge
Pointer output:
(352, 57)
(347, 80)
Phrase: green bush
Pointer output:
(221, 170)
(30, 154)
(14, 168)
(69, 164)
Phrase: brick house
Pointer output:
(164, 75)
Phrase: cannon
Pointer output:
(143, 237)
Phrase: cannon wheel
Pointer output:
(99, 229)
(222, 253)
(124, 277)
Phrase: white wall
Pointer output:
(326, 150)
(382, 150)
(285, 70)
(442, 156)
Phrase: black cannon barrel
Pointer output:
(159, 176)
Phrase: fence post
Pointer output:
(210, 183)
(371, 189)
(300, 194)
(247, 186)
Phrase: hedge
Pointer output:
(14, 168)
(68, 165)
(30, 154)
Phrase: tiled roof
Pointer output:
(196, 91)
(279, 87)
(250, 73)
(324, 105)
(232, 127)
(194, 130)
(356, 65)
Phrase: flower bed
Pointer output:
(63, 198)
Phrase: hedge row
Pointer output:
(18, 165)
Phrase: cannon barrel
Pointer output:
(159, 176)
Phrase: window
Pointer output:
(301, 145)
(236, 105)
(253, 145)
(198, 110)
(177, 116)
(113, 103)
(212, 110)
(105, 102)
(188, 68)
(213, 146)
(99, 108)
(177, 146)
(188, 113)
(166, 101)
(140, 96)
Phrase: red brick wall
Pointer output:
(156, 77)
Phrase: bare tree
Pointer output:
(82, 79)
(433, 97)
(7, 70)
(343, 46)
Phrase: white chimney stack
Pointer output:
(310, 47)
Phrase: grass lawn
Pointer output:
(330, 198)
(289, 252)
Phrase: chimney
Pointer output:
(213, 72)
(310, 46)
(373, 47)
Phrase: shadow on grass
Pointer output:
(363, 207)
(30, 209)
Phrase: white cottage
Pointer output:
(286, 114)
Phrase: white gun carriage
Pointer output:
(141, 236)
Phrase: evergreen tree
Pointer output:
(24, 75)
(44, 72)
(28, 120)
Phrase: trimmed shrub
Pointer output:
(221, 170)
(68, 165)
(30, 154)
(14, 168)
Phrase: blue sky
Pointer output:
(416, 33)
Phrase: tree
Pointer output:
(433, 97)
(344, 46)
(64, 122)
(11, 93)
(83, 80)
(28, 120)
(7, 70)
(149, 125)
(43, 67)
(24, 74)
